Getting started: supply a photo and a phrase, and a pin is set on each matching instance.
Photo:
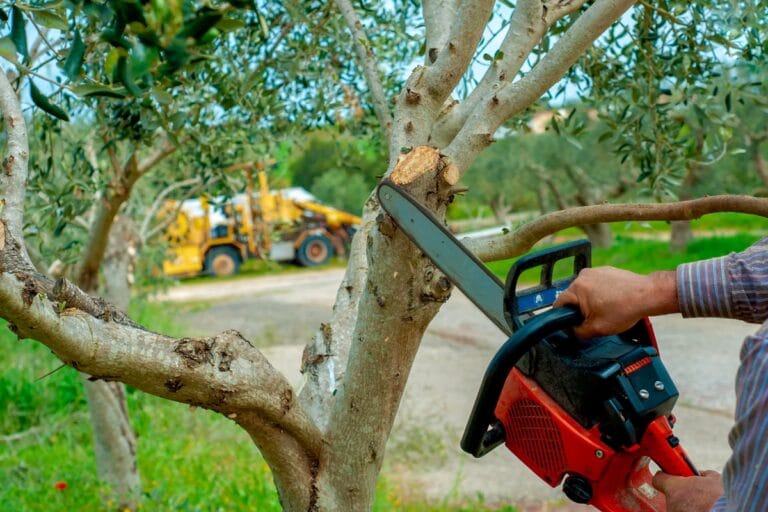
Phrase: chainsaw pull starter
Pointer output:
(591, 414)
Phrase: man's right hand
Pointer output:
(612, 299)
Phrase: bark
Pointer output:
(224, 373)
(114, 442)
(680, 235)
(521, 240)
(13, 176)
(528, 24)
(117, 193)
(367, 62)
(600, 235)
(402, 293)
(754, 142)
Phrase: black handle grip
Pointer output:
(477, 439)
(517, 304)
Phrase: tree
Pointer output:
(325, 444)
(130, 75)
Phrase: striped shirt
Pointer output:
(736, 286)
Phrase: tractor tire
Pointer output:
(314, 250)
(222, 261)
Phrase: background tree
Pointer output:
(325, 443)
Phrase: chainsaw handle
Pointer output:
(478, 439)
(519, 305)
(664, 449)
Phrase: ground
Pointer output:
(280, 313)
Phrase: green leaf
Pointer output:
(75, 58)
(162, 97)
(42, 101)
(50, 19)
(97, 90)
(229, 24)
(112, 59)
(124, 76)
(197, 28)
(263, 23)
(8, 49)
(19, 32)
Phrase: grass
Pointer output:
(645, 256)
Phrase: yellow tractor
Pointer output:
(216, 237)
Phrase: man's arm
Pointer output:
(612, 299)
(733, 286)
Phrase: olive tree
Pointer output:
(325, 442)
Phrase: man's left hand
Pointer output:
(691, 493)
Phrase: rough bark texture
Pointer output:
(402, 294)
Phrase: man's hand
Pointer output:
(690, 494)
(612, 300)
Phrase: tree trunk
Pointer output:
(759, 160)
(600, 235)
(114, 442)
(113, 438)
(500, 209)
(680, 236)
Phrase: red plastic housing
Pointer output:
(553, 445)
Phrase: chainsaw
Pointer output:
(591, 414)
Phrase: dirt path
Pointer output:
(280, 313)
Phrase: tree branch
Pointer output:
(164, 149)
(13, 176)
(428, 87)
(477, 132)
(528, 24)
(439, 16)
(448, 63)
(145, 233)
(367, 62)
(224, 373)
(522, 239)
(118, 192)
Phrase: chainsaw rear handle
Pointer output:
(478, 439)
(518, 306)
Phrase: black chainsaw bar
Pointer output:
(462, 267)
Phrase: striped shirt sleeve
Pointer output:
(736, 286)
(733, 286)
(745, 477)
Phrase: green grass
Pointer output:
(645, 256)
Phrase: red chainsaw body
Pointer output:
(553, 445)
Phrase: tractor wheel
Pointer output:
(222, 261)
(314, 250)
